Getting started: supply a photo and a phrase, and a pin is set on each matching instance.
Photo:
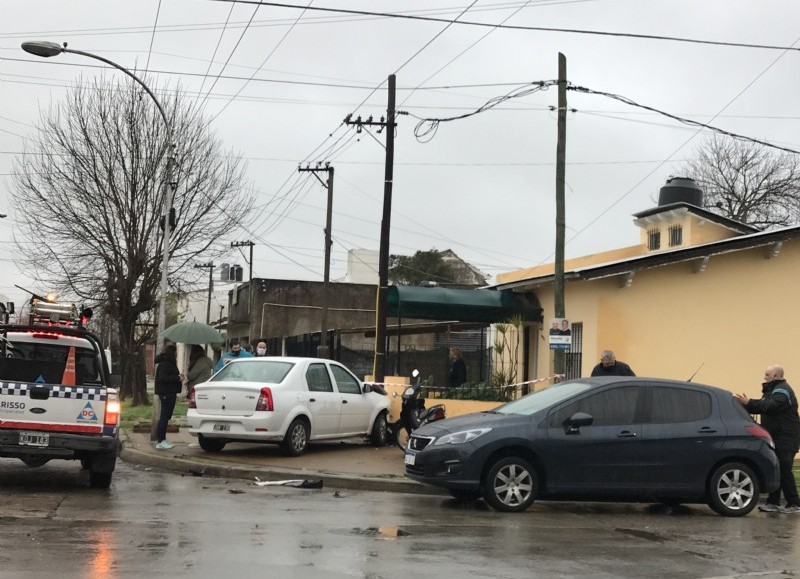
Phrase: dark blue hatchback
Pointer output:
(620, 439)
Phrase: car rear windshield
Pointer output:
(271, 372)
(545, 398)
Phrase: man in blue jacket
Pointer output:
(779, 417)
(235, 353)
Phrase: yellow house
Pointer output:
(700, 294)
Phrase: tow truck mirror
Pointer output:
(116, 380)
(10, 307)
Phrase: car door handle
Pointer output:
(626, 434)
(344, 401)
(312, 399)
(706, 430)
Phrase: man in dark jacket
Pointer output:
(779, 417)
(610, 366)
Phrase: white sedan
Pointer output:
(287, 401)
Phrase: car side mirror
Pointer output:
(572, 425)
(116, 380)
(377, 388)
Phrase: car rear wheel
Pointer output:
(378, 435)
(210, 444)
(733, 490)
(296, 439)
(510, 485)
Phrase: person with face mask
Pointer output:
(235, 353)
(261, 349)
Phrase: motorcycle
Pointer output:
(413, 413)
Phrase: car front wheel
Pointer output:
(296, 439)
(733, 490)
(378, 435)
(510, 485)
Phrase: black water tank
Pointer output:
(680, 190)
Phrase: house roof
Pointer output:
(772, 239)
(700, 212)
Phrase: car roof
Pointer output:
(646, 381)
(295, 359)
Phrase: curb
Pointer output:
(198, 467)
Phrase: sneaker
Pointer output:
(164, 445)
(766, 507)
(789, 509)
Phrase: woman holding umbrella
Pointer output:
(200, 368)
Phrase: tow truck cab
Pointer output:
(56, 399)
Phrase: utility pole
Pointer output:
(379, 363)
(561, 159)
(249, 244)
(323, 351)
(210, 267)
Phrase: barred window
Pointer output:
(653, 239)
(675, 235)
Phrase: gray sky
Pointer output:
(484, 186)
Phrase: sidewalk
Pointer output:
(350, 464)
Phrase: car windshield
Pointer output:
(269, 371)
(545, 398)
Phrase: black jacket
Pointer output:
(778, 410)
(458, 374)
(618, 369)
(168, 377)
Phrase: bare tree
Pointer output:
(90, 192)
(748, 182)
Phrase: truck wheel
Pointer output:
(99, 480)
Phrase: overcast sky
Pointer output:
(483, 186)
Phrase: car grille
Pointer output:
(419, 442)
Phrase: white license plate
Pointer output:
(34, 439)
(222, 427)
(410, 458)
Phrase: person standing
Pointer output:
(261, 349)
(779, 417)
(458, 369)
(168, 383)
(235, 353)
(610, 366)
(200, 368)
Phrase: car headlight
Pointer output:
(461, 437)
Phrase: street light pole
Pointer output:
(47, 49)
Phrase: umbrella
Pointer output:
(193, 333)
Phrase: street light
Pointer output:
(47, 49)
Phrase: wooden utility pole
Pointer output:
(561, 155)
(379, 363)
(323, 351)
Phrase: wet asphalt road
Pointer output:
(157, 524)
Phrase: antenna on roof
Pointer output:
(695, 372)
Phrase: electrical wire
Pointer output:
(152, 37)
(216, 48)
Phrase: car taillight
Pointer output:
(192, 401)
(113, 409)
(759, 432)
(265, 401)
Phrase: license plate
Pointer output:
(222, 427)
(34, 439)
(410, 458)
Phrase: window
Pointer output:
(318, 378)
(610, 407)
(345, 381)
(653, 239)
(675, 235)
(671, 405)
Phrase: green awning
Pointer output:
(462, 305)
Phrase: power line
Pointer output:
(520, 27)
(216, 48)
(152, 37)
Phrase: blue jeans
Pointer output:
(167, 408)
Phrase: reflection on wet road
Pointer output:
(152, 523)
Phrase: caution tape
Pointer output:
(556, 378)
